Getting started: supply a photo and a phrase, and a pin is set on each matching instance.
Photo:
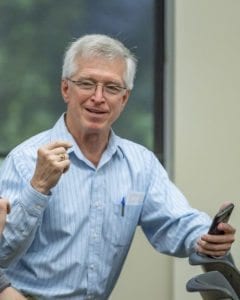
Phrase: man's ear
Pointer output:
(65, 90)
(125, 98)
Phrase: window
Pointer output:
(34, 35)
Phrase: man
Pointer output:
(78, 191)
(7, 292)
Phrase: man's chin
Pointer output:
(96, 128)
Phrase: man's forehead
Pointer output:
(101, 67)
(95, 60)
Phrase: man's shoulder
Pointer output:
(128, 144)
(132, 148)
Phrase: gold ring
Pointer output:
(62, 156)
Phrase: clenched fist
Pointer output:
(52, 162)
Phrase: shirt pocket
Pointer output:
(120, 226)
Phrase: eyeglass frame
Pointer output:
(95, 84)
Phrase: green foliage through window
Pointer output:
(33, 37)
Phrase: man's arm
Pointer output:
(6, 291)
(29, 194)
(171, 225)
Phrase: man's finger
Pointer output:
(227, 228)
(65, 144)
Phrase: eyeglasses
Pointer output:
(89, 87)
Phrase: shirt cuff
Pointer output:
(4, 283)
(33, 201)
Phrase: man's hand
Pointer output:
(217, 245)
(4, 210)
(10, 293)
(52, 162)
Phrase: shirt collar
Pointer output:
(115, 144)
(60, 132)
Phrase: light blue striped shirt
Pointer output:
(72, 243)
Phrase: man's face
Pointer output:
(89, 110)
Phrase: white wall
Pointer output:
(207, 111)
(146, 274)
(203, 140)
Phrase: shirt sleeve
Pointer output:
(171, 225)
(27, 207)
(4, 282)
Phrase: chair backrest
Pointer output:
(223, 265)
(212, 286)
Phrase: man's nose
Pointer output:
(99, 92)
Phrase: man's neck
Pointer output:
(92, 146)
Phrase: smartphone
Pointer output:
(221, 217)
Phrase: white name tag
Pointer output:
(134, 198)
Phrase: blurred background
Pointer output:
(33, 38)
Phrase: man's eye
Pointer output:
(86, 84)
(113, 89)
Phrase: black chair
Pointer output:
(212, 286)
(224, 283)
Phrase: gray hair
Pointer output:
(101, 46)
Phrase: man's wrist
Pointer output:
(39, 187)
